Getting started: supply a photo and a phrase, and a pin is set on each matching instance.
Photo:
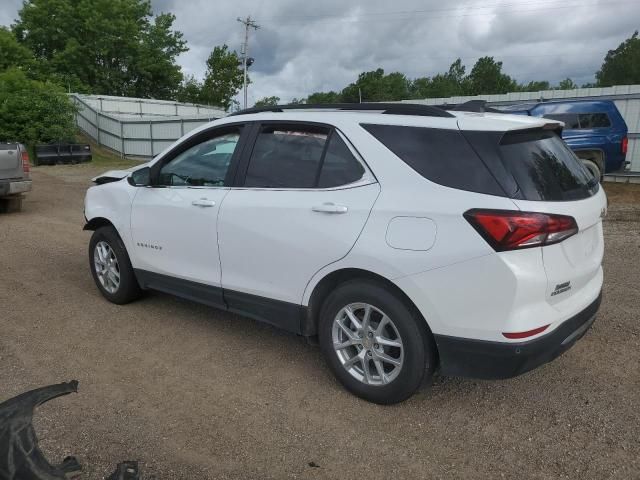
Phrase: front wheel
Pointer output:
(111, 268)
(377, 347)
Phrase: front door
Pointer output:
(174, 222)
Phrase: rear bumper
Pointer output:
(493, 360)
(14, 187)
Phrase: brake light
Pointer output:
(624, 145)
(26, 166)
(511, 230)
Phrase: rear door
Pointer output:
(10, 161)
(551, 179)
(302, 200)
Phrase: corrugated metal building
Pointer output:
(139, 127)
(626, 98)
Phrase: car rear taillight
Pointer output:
(26, 166)
(510, 230)
(624, 145)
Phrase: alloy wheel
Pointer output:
(367, 344)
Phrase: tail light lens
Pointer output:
(511, 230)
(625, 145)
(26, 166)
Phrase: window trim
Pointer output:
(367, 178)
(196, 139)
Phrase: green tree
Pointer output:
(622, 65)
(32, 111)
(268, 102)
(190, 90)
(155, 73)
(375, 86)
(297, 101)
(567, 84)
(223, 79)
(447, 84)
(535, 86)
(104, 46)
(324, 97)
(13, 54)
(486, 78)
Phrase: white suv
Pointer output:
(404, 237)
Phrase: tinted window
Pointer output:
(339, 166)
(544, 167)
(285, 157)
(442, 156)
(594, 120)
(203, 165)
(570, 120)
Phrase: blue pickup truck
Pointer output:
(593, 129)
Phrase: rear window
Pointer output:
(442, 156)
(544, 167)
(577, 121)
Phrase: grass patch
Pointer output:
(105, 158)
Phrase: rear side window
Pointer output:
(576, 121)
(442, 156)
(570, 120)
(544, 167)
(286, 158)
(594, 120)
(339, 166)
(301, 157)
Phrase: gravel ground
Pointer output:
(194, 393)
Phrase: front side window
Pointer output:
(301, 157)
(203, 165)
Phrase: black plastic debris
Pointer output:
(20, 457)
(126, 471)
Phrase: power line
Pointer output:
(246, 61)
(404, 15)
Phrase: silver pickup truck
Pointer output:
(15, 176)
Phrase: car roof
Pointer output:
(483, 121)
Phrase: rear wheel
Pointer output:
(111, 268)
(375, 344)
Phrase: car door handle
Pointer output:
(330, 208)
(203, 202)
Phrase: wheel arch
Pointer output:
(331, 281)
(98, 222)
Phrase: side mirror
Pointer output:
(140, 178)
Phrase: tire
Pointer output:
(592, 167)
(127, 288)
(416, 354)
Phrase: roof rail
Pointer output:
(386, 108)
(477, 106)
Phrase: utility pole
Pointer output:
(246, 61)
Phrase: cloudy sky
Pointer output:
(305, 46)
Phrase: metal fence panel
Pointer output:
(138, 127)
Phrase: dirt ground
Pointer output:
(195, 393)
